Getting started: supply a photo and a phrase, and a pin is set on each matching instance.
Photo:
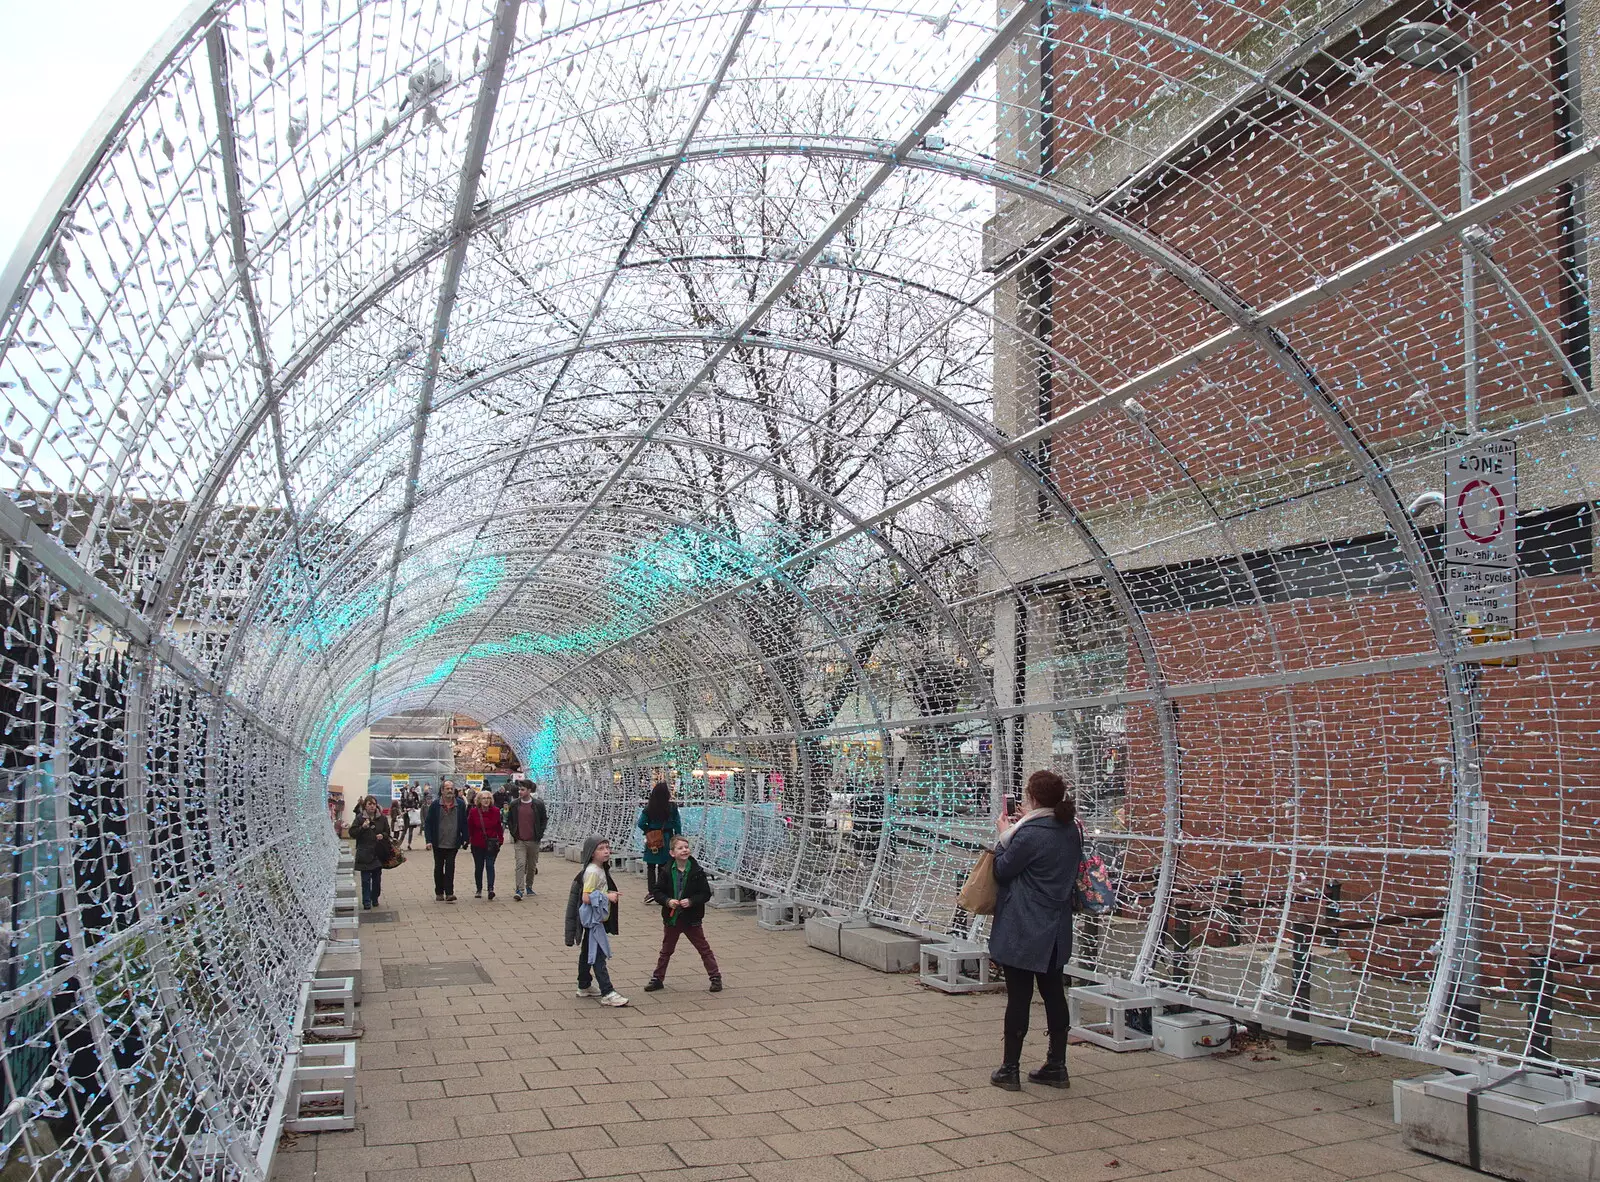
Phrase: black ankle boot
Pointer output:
(1007, 1076)
(1051, 1075)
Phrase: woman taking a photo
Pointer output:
(1036, 869)
(374, 843)
(486, 830)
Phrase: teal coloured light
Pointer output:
(638, 589)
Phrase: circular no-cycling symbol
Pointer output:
(1481, 511)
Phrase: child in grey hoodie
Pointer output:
(592, 920)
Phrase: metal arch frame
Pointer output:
(1016, 21)
(1453, 654)
(1095, 215)
(925, 393)
(725, 62)
(502, 34)
(739, 457)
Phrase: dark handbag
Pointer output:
(388, 856)
(491, 847)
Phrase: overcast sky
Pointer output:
(61, 61)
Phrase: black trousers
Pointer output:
(444, 871)
(657, 880)
(1019, 1000)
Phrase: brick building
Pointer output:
(1236, 303)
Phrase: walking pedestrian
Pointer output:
(526, 821)
(592, 920)
(411, 805)
(486, 830)
(374, 846)
(660, 823)
(444, 831)
(1036, 869)
(683, 913)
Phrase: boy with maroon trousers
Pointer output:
(683, 892)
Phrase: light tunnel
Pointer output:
(839, 410)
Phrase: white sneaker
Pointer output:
(613, 999)
(588, 991)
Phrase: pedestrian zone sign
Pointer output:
(1480, 526)
(1480, 538)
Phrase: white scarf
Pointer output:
(1033, 815)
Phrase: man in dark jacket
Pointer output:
(444, 831)
(683, 892)
(526, 821)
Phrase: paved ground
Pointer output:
(807, 1067)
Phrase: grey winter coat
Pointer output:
(1036, 871)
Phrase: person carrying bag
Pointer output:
(1036, 861)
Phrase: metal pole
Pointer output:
(1469, 262)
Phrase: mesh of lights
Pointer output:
(839, 411)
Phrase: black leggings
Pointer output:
(656, 880)
(1019, 999)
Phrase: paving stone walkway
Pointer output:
(807, 1067)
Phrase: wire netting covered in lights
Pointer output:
(838, 410)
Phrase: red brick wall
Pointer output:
(1269, 214)
(1373, 757)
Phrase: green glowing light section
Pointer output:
(640, 588)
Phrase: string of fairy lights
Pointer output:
(837, 411)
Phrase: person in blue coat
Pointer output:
(1036, 863)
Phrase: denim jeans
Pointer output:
(602, 977)
(371, 886)
(483, 863)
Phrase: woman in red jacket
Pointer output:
(486, 829)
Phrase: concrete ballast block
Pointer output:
(881, 949)
(1565, 1150)
(823, 931)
